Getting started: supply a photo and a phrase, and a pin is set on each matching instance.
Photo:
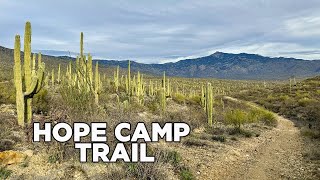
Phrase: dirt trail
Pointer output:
(275, 154)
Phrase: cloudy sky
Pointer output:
(153, 31)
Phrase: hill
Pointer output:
(231, 66)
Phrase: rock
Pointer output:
(13, 157)
(6, 144)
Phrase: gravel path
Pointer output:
(275, 154)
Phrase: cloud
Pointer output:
(167, 30)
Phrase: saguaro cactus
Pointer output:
(33, 79)
(52, 77)
(209, 103)
(59, 74)
(97, 84)
(116, 79)
(89, 66)
(129, 80)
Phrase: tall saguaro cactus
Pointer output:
(32, 83)
(27, 66)
(97, 84)
(209, 104)
(18, 81)
(129, 79)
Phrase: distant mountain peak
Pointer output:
(217, 54)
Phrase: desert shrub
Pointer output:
(79, 100)
(172, 157)
(253, 115)
(7, 93)
(312, 112)
(194, 100)
(268, 118)
(234, 138)
(74, 172)
(236, 117)
(290, 102)
(259, 114)
(40, 102)
(243, 132)
(246, 133)
(135, 106)
(166, 162)
(313, 154)
(4, 173)
(179, 98)
(195, 142)
(311, 133)
(306, 101)
(215, 130)
(186, 174)
(6, 144)
(220, 138)
(194, 116)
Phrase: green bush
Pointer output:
(236, 117)
(253, 115)
(79, 100)
(220, 138)
(179, 98)
(4, 173)
(306, 101)
(186, 174)
(173, 157)
(194, 100)
(7, 93)
(268, 118)
(311, 133)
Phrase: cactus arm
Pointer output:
(32, 87)
(40, 77)
(129, 79)
(39, 59)
(27, 55)
(90, 68)
(81, 44)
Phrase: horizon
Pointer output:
(168, 31)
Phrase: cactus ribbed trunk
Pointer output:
(59, 74)
(52, 77)
(90, 68)
(209, 104)
(116, 79)
(96, 83)
(129, 79)
(81, 45)
(18, 82)
(27, 70)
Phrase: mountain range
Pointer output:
(218, 65)
(230, 66)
